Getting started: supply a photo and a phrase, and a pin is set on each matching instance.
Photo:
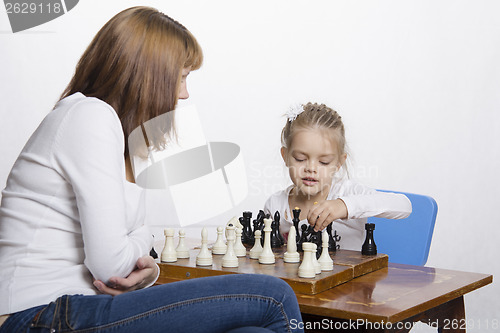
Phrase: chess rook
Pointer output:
(169, 254)
(306, 268)
(369, 248)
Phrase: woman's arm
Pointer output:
(143, 276)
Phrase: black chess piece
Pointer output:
(153, 253)
(296, 221)
(260, 221)
(278, 232)
(304, 235)
(260, 224)
(316, 239)
(275, 241)
(247, 234)
(369, 248)
(332, 239)
(255, 227)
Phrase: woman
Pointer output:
(73, 246)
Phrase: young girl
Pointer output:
(313, 148)
(73, 244)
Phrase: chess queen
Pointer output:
(314, 150)
(72, 232)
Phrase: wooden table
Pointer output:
(397, 294)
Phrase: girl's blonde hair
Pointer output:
(134, 64)
(318, 117)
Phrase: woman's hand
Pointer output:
(145, 274)
(325, 212)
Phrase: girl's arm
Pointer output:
(89, 154)
(354, 201)
(362, 202)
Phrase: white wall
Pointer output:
(417, 83)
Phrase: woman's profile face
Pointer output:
(183, 93)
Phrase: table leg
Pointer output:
(447, 318)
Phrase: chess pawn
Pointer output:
(257, 247)
(306, 268)
(230, 259)
(324, 260)
(291, 255)
(267, 255)
(204, 258)
(369, 248)
(317, 266)
(182, 250)
(239, 249)
(169, 254)
(219, 247)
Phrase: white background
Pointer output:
(416, 82)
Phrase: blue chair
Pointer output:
(407, 241)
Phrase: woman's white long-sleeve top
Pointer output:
(68, 215)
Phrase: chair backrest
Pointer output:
(407, 241)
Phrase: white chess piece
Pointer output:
(317, 266)
(239, 249)
(230, 259)
(324, 260)
(182, 250)
(257, 248)
(291, 255)
(267, 255)
(219, 247)
(306, 268)
(204, 258)
(235, 222)
(169, 254)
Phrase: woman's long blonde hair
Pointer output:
(134, 64)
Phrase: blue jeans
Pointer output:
(240, 302)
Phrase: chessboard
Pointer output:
(347, 266)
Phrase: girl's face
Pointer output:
(183, 93)
(312, 160)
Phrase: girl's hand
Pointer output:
(145, 274)
(325, 212)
